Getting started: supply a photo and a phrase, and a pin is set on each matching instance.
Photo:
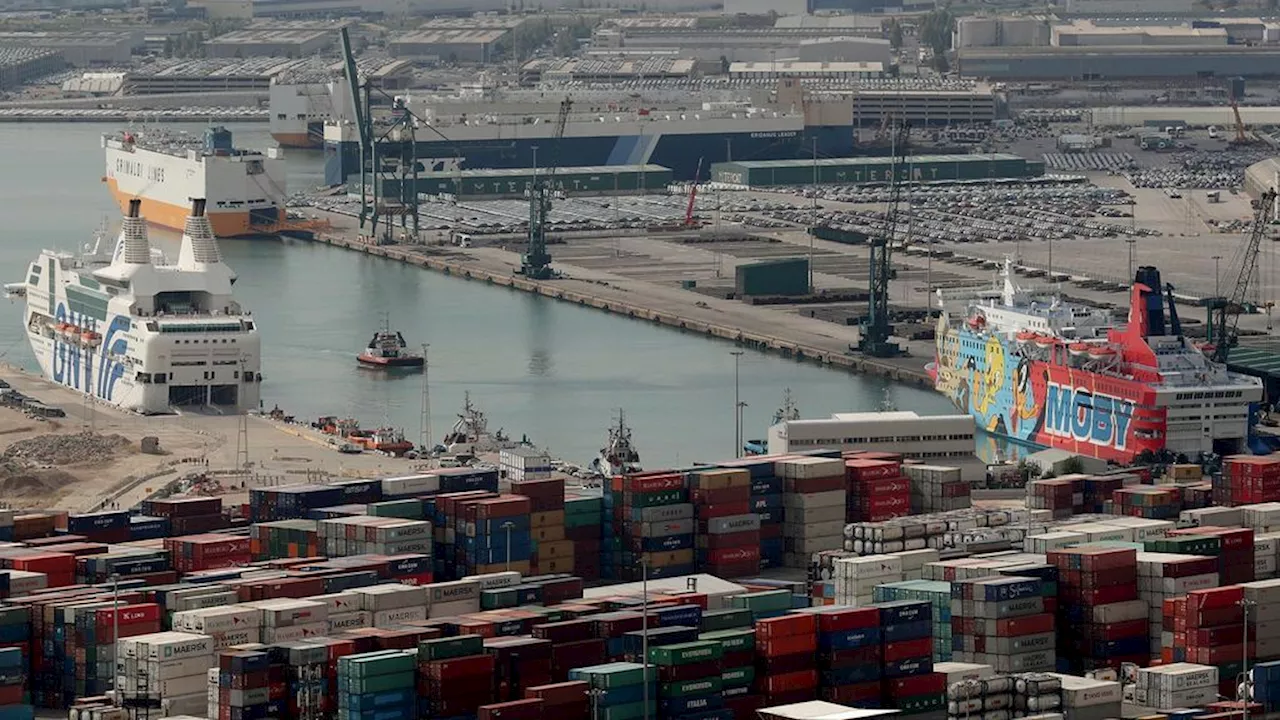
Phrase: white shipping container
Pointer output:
(350, 620)
(1053, 541)
(231, 638)
(804, 501)
(392, 596)
(457, 591)
(872, 566)
(834, 513)
(340, 602)
(493, 581)
(191, 665)
(1079, 692)
(1215, 516)
(1184, 585)
(181, 706)
(814, 529)
(959, 672)
(411, 485)
(809, 468)
(1178, 676)
(1191, 697)
(399, 616)
(188, 685)
(291, 633)
(1101, 532)
(217, 619)
(451, 609)
(1120, 612)
(165, 645)
(25, 582)
(287, 612)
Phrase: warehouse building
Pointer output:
(185, 76)
(515, 182)
(774, 70)
(1117, 62)
(80, 48)
(1261, 177)
(946, 439)
(604, 68)
(316, 9)
(1083, 33)
(19, 66)
(871, 170)
(1164, 8)
(846, 49)
(466, 40)
(290, 39)
(984, 31)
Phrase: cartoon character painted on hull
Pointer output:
(984, 379)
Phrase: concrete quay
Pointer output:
(655, 298)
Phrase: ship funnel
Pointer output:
(133, 247)
(199, 246)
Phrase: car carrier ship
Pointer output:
(244, 190)
(130, 329)
(497, 132)
(1035, 369)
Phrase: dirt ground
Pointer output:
(92, 458)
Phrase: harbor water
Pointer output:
(555, 372)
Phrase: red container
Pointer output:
(916, 685)
(733, 539)
(852, 694)
(789, 645)
(1212, 637)
(889, 503)
(905, 649)
(105, 618)
(786, 626)
(1025, 625)
(721, 496)
(734, 556)
(649, 482)
(706, 512)
(865, 469)
(565, 693)
(1198, 600)
(850, 619)
(804, 680)
(885, 485)
(499, 507)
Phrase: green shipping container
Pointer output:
(783, 276)
(630, 711)
(1186, 545)
(713, 620)
(763, 601)
(581, 519)
(377, 683)
(498, 598)
(666, 497)
(738, 677)
(686, 653)
(701, 686)
(380, 663)
(445, 648)
(405, 509)
(613, 675)
(922, 703)
(733, 640)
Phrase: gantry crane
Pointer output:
(1224, 312)
(388, 158)
(876, 332)
(536, 263)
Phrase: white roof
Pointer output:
(708, 584)
(876, 416)
(821, 710)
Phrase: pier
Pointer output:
(768, 329)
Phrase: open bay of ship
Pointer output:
(553, 371)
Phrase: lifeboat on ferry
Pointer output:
(1078, 349)
(1024, 337)
(1045, 341)
(1099, 352)
(90, 338)
(977, 322)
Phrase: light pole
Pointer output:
(1217, 260)
(737, 402)
(1131, 241)
(115, 622)
(1246, 684)
(644, 636)
(507, 526)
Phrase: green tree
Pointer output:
(724, 65)
(940, 63)
(895, 34)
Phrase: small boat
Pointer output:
(470, 434)
(384, 439)
(618, 457)
(1025, 337)
(1078, 349)
(387, 351)
(1045, 341)
(1101, 351)
(788, 411)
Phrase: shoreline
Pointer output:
(904, 371)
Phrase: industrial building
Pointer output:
(847, 48)
(976, 104)
(1086, 33)
(868, 170)
(280, 38)
(1118, 62)
(603, 68)
(984, 31)
(80, 48)
(182, 76)
(466, 40)
(19, 66)
(949, 439)
(1261, 177)
(736, 45)
(300, 9)
(764, 7)
(1123, 8)
(756, 71)
(513, 183)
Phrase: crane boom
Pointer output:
(876, 332)
(536, 263)
(693, 195)
(1228, 309)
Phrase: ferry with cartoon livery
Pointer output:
(1033, 368)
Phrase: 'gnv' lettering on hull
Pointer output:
(1087, 417)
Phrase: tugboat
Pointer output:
(788, 411)
(618, 457)
(388, 351)
(470, 434)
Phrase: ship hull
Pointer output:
(381, 363)
(227, 224)
(1038, 403)
(682, 152)
(94, 372)
(297, 140)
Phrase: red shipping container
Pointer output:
(802, 681)
(720, 496)
(733, 539)
(565, 693)
(733, 556)
(886, 485)
(905, 649)
(1099, 596)
(1025, 625)
(852, 694)
(864, 469)
(786, 626)
(848, 619)
(706, 512)
(783, 664)
(105, 618)
(443, 671)
(1212, 637)
(916, 685)
(649, 483)
(789, 645)
(886, 503)
(735, 570)
(1198, 600)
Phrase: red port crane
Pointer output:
(693, 196)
